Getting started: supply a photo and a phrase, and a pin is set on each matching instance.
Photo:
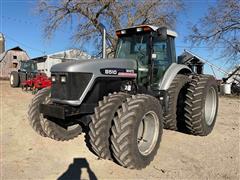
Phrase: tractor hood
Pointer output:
(97, 66)
(81, 75)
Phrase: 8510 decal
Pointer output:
(119, 72)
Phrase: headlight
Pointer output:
(123, 31)
(63, 79)
(53, 78)
(139, 29)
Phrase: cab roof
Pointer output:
(153, 28)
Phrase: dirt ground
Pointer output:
(26, 155)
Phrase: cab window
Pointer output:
(161, 62)
(160, 49)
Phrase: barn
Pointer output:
(9, 60)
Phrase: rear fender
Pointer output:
(170, 74)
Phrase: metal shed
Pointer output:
(44, 63)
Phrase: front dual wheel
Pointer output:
(44, 126)
(137, 131)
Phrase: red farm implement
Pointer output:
(39, 82)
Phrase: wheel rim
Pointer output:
(210, 106)
(148, 132)
(11, 79)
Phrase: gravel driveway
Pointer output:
(26, 155)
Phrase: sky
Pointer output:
(23, 27)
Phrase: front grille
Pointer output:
(73, 88)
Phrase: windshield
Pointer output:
(28, 66)
(133, 47)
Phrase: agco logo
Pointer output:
(110, 72)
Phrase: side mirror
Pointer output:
(162, 32)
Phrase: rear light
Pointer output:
(133, 30)
(53, 78)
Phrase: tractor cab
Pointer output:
(152, 47)
(28, 66)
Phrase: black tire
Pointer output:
(201, 105)
(170, 120)
(22, 77)
(33, 111)
(101, 122)
(45, 127)
(56, 131)
(14, 79)
(125, 131)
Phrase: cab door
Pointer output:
(160, 58)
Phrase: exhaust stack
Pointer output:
(103, 40)
(2, 43)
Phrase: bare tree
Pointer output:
(220, 29)
(87, 15)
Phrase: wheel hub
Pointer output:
(11, 79)
(210, 106)
(148, 132)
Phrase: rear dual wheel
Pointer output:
(201, 105)
(172, 119)
(193, 104)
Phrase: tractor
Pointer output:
(123, 103)
(27, 70)
(28, 77)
